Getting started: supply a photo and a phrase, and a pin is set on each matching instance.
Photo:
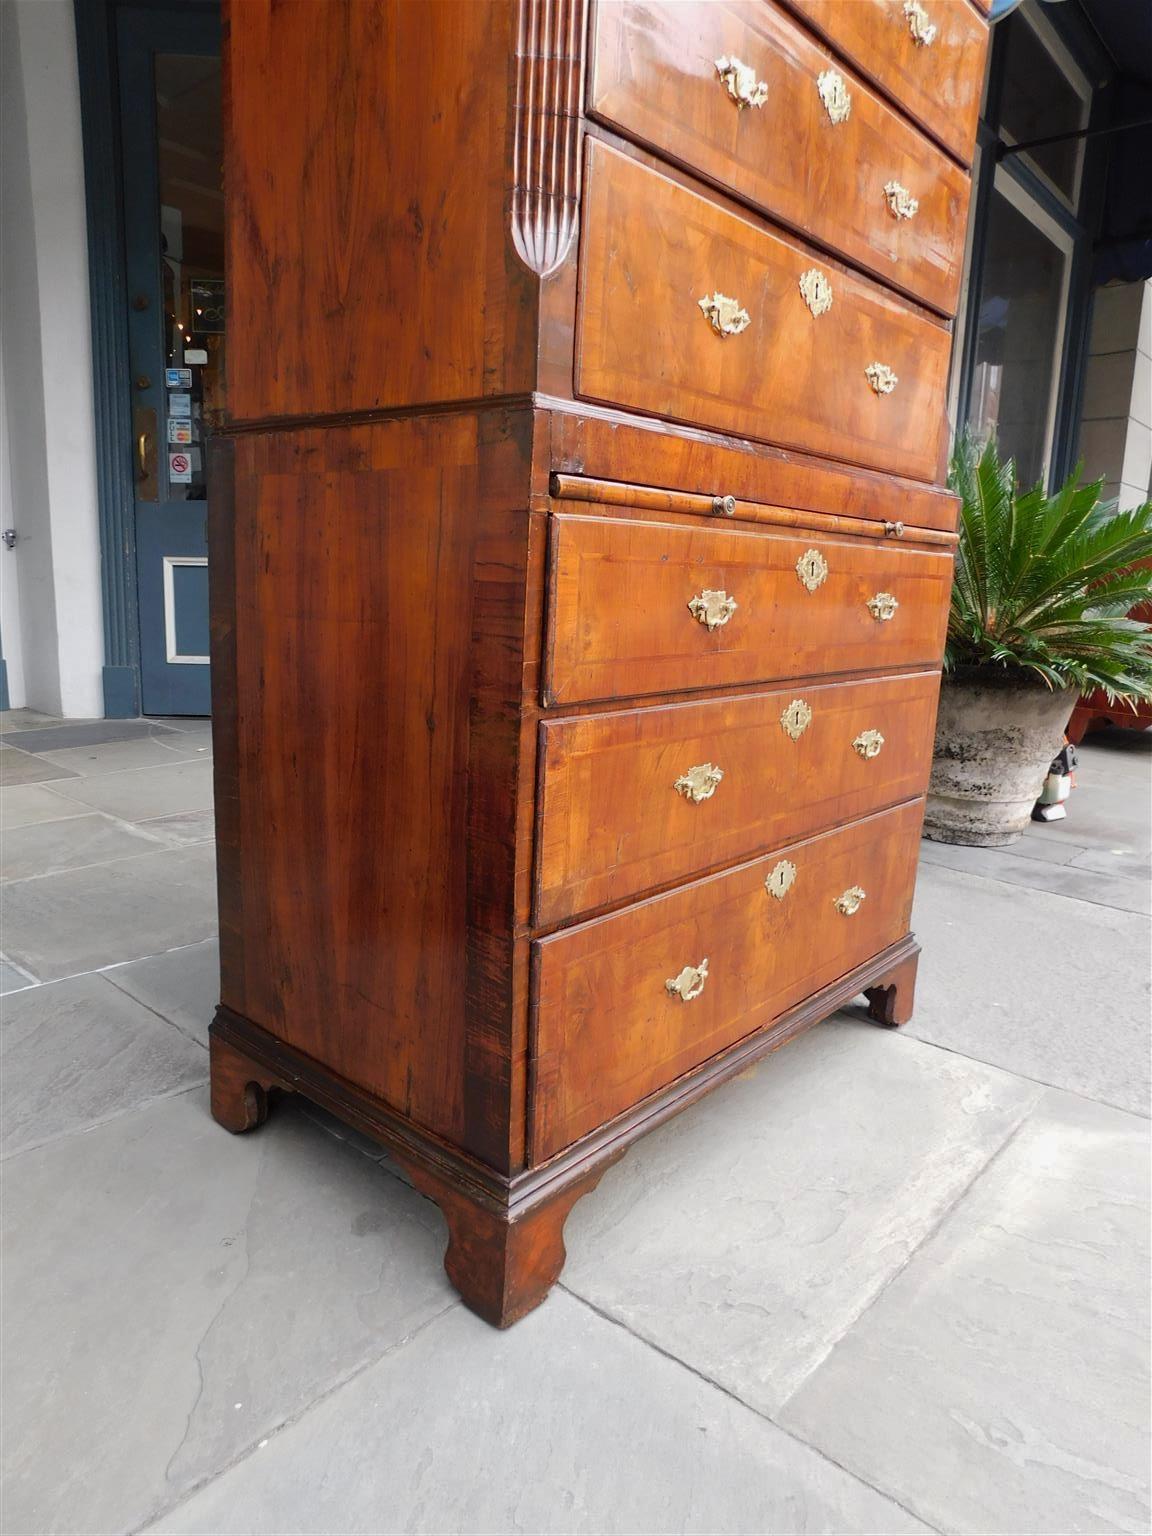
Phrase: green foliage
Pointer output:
(1043, 584)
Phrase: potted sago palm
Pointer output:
(1039, 614)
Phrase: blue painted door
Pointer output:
(170, 115)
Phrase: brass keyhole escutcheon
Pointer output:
(781, 878)
(796, 718)
(812, 569)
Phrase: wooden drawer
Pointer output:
(632, 800)
(939, 83)
(655, 77)
(629, 607)
(652, 251)
(608, 1029)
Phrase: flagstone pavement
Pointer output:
(885, 1282)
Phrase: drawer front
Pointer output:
(655, 76)
(641, 607)
(862, 380)
(619, 1013)
(929, 57)
(640, 798)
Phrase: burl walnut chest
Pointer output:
(580, 563)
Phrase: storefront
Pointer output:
(114, 308)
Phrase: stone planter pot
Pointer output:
(996, 734)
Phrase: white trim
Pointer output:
(173, 655)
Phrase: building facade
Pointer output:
(112, 314)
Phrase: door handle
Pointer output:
(144, 427)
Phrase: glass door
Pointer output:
(170, 109)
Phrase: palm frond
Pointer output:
(1046, 584)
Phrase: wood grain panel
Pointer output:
(609, 446)
(369, 257)
(655, 78)
(651, 249)
(939, 84)
(375, 652)
(613, 824)
(607, 1030)
(619, 624)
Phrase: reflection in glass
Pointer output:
(1037, 100)
(189, 152)
(1020, 307)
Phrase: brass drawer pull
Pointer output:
(724, 506)
(922, 28)
(740, 82)
(796, 718)
(835, 95)
(812, 569)
(868, 744)
(894, 530)
(901, 203)
(816, 291)
(725, 315)
(781, 878)
(712, 609)
(699, 783)
(881, 378)
(690, 982)
(883, 606)
(849, 901)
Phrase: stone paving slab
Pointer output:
(173, 1293)
(745, 1236)
(49, 847)
(76, 1052)
(166, 789)
(23, 805)
(1104, 887)
(1054, 990)
(184, 827)
(116, 756)
(566, 1423)
(18, 767)
(183, 986)
(86, 733)
(87, 918)
(1001, 1381)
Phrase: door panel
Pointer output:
(169, 65)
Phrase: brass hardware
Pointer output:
(850, 900)
(868, 744)
(812, 569)
(894, 530)
(882, 607)
(881, 378)
(816, 291)
(780, 879)
(699, 783)
(901, 203)
(796, 718)
(690, 982)
(142, 454)
(725, 315)
(143, 382)
(923, 30)
(724, 506)
(712, 609)
(741, 83)
(834, 94)
(147, 459)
